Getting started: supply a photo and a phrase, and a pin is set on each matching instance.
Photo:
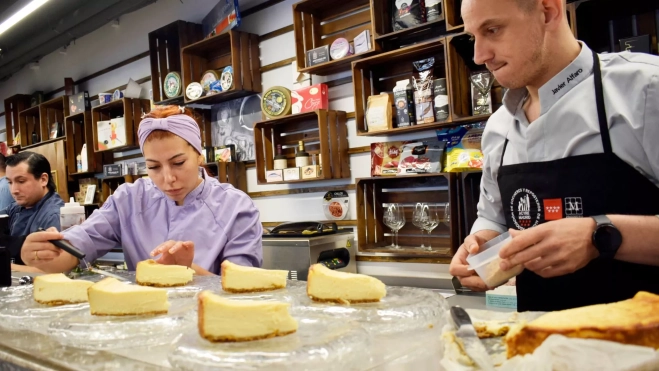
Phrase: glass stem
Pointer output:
(393, 238)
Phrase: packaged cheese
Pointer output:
(463, 148)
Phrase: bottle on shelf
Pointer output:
(280, 160)
(301, 157)
(35, 137)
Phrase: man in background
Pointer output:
(5, 194)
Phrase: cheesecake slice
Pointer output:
(326, 285)
(58, 289)
(237, 279)
(226, 320)
(111, 297)
(150, 273)
(634, 321)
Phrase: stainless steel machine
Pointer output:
(296, 246)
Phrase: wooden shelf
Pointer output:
(388, 39)
(318, 23)
(31, 110)
(53, 112)
(453, 14)
(44, 142)
(13, 106)
(29, 121)
(374, 193)
(79, 132)
(323, 132)
(128, 108)
(165, 46)
(85, 174)
(233, 173)
(180, 100)
(239, 50)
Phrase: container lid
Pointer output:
(72, 207)
(488, 251)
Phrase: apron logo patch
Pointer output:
(553, 208)
(525, 209)
(573, 207)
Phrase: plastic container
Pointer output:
(72, 213)
(487, 262)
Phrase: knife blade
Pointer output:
(472, 344)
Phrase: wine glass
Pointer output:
(430, 220)
(418, 220)
(447, 214)
(394, 218)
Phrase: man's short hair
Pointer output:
(3, 164)
(527, 5)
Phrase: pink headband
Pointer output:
(182, 125)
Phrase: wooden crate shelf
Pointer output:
(78, 132)
(53, 113)
(28, 121)
(374, 194)
(453, 14)
(165, 46)
(460, 52)
(323, 133)
(388, 39)
(233, 173)
(378, 74)
(131, 109)
(319, 22)
(233, 48)
(13, 106)
(110, 184)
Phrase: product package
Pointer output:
(111, 134)
(378, 112)
(318, 55)
(274, 176)
(421, 158)
(423, 90)
(225, 153)
(385, 157)
(341, 48)
(292, 173)
(223, 17)
(407, 14)
(404, 100)
(79, 103)
(336, 205)
(481, 97)
(463, 147)
(310, 98)
(441, 100)
(363, 42)
(434, 10)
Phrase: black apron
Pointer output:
(15, 243)
(579, 186)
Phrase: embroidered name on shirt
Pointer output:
(570, 78)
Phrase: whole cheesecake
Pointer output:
(634, 321)
(151, 273)
(326, 285)
(226, 320)
(111, 297)
(58, 289)
(238, 279)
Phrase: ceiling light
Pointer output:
(24, 12)
(34, 65)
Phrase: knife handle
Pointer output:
(460, 316)
(66, 247)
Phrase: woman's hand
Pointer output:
(175, 253)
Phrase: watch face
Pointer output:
(607, 238)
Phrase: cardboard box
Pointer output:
(310, 172)
(113, 170)
(291, 173)
(223, 17)
(274, 176)
(310, 98)
(318, 56)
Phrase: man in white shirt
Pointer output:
(571, 160)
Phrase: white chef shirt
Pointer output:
(568, 123)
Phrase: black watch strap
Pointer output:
(602, 219)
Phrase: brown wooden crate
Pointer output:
(358, 19)
(452, 14)
(13, 106)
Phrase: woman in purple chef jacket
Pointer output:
(179, 216)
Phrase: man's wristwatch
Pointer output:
(606, 237)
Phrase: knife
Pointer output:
(472, 344)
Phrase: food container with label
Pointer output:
(104, 98)
(487, 262)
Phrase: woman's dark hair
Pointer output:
(37, 165)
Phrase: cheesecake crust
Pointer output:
(260, 289)
(54, 303)
(131, 314)
(344, 301)
(141, 283)
(233, 339)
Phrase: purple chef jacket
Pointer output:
(222, 222)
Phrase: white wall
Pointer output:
(107, 46)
